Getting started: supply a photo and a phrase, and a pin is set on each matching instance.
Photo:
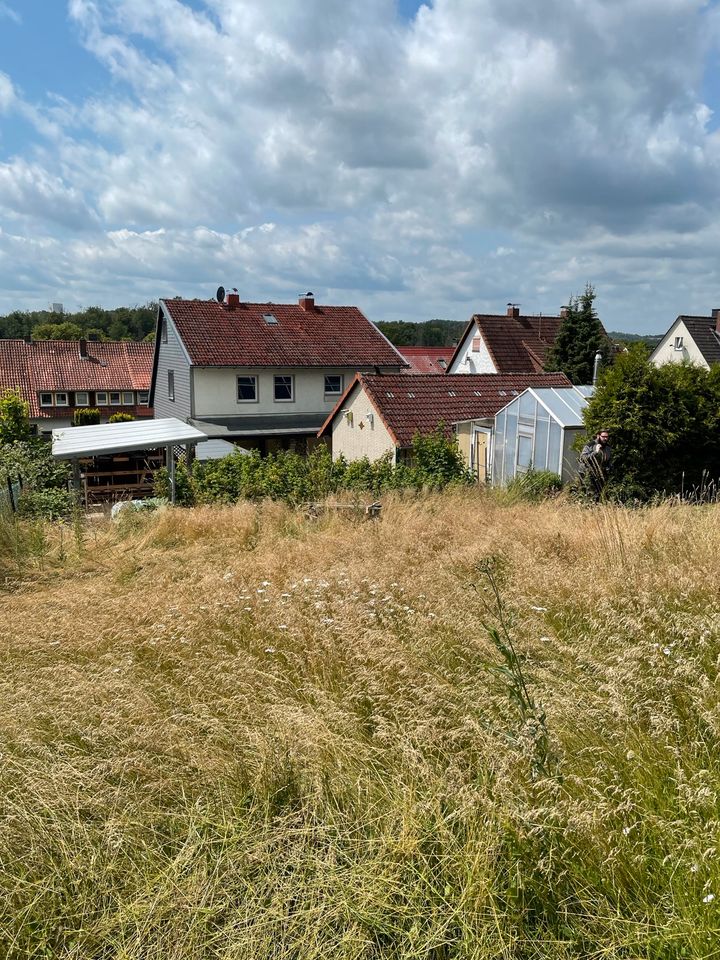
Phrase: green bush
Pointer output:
(535, 485)
(52, 503)
(120, 418)
(44, 480)
(86, 416)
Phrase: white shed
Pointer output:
(536, 430)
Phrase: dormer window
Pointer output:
(61, 400)
(678, 343)
(46, 399)
(270, 318)
(82, 398)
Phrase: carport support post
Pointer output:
(170, 459)
(77, 487)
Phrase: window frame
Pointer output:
(82, 403)
(333, 394)
(678, 343)
(143, 398)
(127, 403)
(61, 403)
(114, 393)
(46, 393)
(171, 385)
(284, 376)
(256, 388)
(99, 401)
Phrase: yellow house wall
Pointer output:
(354, 442)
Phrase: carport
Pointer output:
(76, 443)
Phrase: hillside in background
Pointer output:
(429, 333)
(651, 340)
(94, 323)
(464, 730)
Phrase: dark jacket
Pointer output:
(595, 460)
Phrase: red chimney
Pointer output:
(307, 302)
(716, 318)
(233, 301)
(513, 310)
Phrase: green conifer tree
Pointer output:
(579, 338)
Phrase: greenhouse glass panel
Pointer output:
(554, 447)
(527, 407)
(524, 452)
(541, 440)
(510, 445)
(498, 448)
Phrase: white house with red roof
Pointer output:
(380, 415)
(265, 374)
(56, 377)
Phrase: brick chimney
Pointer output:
(513, 310)
(716, 318)
(564, 312)
(307, 302)
(82, 347)
(233, 301)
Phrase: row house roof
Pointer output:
(48, 366)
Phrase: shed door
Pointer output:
(480, 455)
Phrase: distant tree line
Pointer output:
(430, 333)
(94, 323)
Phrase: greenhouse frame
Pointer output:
(536, 430)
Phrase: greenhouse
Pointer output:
(537, 430)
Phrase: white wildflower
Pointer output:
(229, 575)
(265, 583)
(694, 868)
(545, 639)
(667, 651)
(247, 608)
(269, 649)
(539, 609)
(708, 898)
(282, 626)
(626, 830)
(327, 620)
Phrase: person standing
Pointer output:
(594, 464)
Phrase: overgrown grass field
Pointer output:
(466, 730)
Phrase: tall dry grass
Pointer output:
(241, 733)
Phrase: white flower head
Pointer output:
(539, 609)
(708, 898)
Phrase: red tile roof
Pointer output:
(427, 359)
(215, 335)
(516, 344)
(45, 366)
(410, 404)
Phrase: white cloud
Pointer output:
(491, 150)
(9, 13)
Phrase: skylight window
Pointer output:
(270, 318)
(451, 393)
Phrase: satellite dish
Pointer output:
(220, 295)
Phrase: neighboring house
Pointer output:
(505, 343)
(427, 359)
(56, 377)
(378, 415)
(537, 430)
(694, 339)
(267, 374)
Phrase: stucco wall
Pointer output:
(216, 391)
(353, 441)
(479, 361)
(665, 351)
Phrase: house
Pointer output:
(505, 343)
(267, 374)
(537, 430)
(56, 377)
(693, 339)
(427, 359)
(378, 415)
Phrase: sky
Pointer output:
(417, 160)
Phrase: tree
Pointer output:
(578, 340)
(14, 417)
(67, 330)
(664, 423)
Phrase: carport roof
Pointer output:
(93, 441)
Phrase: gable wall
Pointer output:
(479, 361)
(665, 351)
(172, 356)
(354, 442)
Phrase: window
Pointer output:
(82, 398)
(101, 398)
(128, 398)
(283, 388)
(144, 397)
(171, 384)
(678, 343)
(114, 398)
(476, 345)
(247, 389)
(163, 330)
(524, 452)
(270, 318)
(61, 400)
(46, 399)
(333, 385)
